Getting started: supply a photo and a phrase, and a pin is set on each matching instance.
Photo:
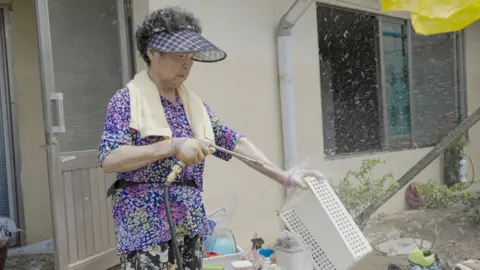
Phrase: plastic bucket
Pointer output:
(292, 259)
(3, 256)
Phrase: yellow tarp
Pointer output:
(436, 16)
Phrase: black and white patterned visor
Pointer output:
(186, 41)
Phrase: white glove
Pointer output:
(189, 151)
(296, 177)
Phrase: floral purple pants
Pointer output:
(161, 256)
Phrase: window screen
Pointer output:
(87, 66)
(348, 51)
(4, 186)
(396, 82)
(434, 87)
(382, 85)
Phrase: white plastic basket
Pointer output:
(324, 228)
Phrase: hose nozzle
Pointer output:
(176, 170)
(178, 167)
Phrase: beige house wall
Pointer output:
(472, 52)
(28, 94)
(243, 90)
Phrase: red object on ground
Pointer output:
(210, 255)
(412, 198)
(3, 255)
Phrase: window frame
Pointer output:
(389, 144)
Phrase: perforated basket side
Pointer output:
(317, 256)
(342, 220)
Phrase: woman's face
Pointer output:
(172, 69)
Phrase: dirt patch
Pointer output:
(35, 262)
(454, 239)
(30, 262)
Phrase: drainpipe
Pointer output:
(287, 98)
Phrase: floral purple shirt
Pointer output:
(139, 211)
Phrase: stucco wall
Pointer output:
(243, 90)
(27, 87)
(472, 50)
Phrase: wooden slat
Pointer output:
(110, 179)
(87, 209)
(79, 217)
(70, 216)
(90, 227)
(102, 197)
(100, 261)
(97, 232)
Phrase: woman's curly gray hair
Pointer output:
(170, 19)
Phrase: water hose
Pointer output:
(172, 176)
(176, 170)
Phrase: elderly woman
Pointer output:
(155, 122)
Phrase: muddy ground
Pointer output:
(456, 240)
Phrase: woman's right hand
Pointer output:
(189, 151)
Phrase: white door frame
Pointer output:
(53, 110)
(9, 118)
(55, 124)
(125, 28)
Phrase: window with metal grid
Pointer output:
(384, 87)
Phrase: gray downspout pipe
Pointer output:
(285, 70)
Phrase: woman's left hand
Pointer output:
(296, 178)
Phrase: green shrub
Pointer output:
(472, 211)
(359, 189)
(436, 196)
